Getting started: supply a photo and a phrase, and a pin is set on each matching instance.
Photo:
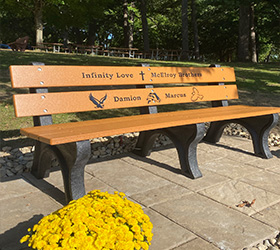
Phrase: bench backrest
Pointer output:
(133, 87)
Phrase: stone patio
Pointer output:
(186, 214)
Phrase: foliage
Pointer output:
(101, 23)
(222, 21)
(96, 221)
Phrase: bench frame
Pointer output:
(73, 156)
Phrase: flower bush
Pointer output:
(96, 221)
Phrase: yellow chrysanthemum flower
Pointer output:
(97, 221)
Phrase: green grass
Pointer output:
(252, 78)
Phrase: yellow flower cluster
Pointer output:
(96, 221)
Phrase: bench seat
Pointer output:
(85, 130)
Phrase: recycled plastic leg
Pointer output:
(185, 139)
(72, 159)
(258, 127)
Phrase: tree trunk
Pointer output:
(65, 38)
(131, 26)
(195, 30)
(125, 24)
(91, 32)
(244, 33)
(253, 35)
(185, 37)
(38, 17)
(78, 35)
(145, 26)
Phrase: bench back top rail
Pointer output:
(79, 101)
(38, 76)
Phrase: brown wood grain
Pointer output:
(67, 102)
(78, 131)
(56, 75)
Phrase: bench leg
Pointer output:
(258, 127)
(72, 159)
(44, 154)
(185, 139)
(145, 142)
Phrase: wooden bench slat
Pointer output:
(78, 131)
(57, 76)
(67, 102)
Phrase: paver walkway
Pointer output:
(186, 214)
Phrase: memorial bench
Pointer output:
(144, 87)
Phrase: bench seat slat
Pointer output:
(23, 76)
(67, 102)
(78, 131)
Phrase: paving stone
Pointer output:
(265, 163)
(167, 234)
(162, 194)
(274, 169)
(242, 156)
(125, 177)
(233, 193)
(229, 168)
(92, 183)
(197, 244)
(232, 152)
(270, 216)
(170, 152)
(204, 153)
(53, 185)
(54, 180)
(172, 172)
(234, 140)
(161, 157)
(12, 188)
(204, 156)
(20, 213)
(208, 147)
(235, 143)
(224, 227)
(265, 180)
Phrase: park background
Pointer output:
(224, 31)
(240, 34)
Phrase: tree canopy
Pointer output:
(215, 29)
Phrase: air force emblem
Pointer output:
(98, 103)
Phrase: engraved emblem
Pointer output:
(142, 74)
(153, 97)
(195, 95)
(98, 103)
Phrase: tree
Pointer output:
(128, 17)
(267, 16)
(36, 8)
(244, 33)
(38, 18)
(253, 42)
(185, 35)
(18, 20)
(145, 31)
(195, 30)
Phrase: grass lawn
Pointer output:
(258, 84)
